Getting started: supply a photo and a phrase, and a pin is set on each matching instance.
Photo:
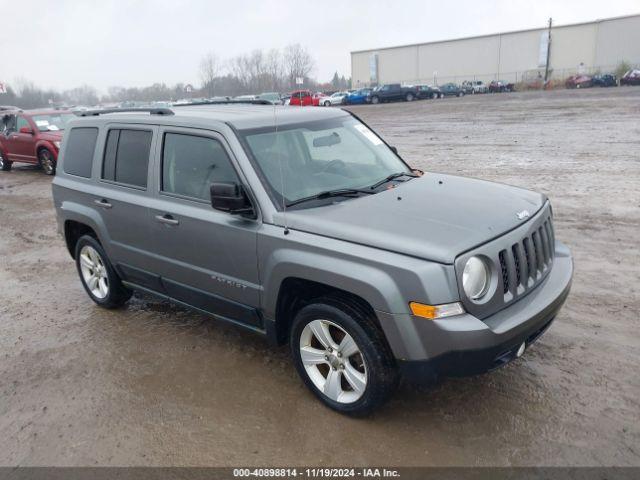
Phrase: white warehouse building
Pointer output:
(590, 47)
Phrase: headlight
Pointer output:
(57, 144)
(475, 278)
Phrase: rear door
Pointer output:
(205, 257)
(122, 199)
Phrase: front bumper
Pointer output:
(465, 345)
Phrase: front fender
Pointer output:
(388, 281)
(365, 281)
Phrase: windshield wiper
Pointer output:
(341, 192)
(393, 176)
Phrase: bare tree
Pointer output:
(210, 68)
(298, 63)
(273, 67)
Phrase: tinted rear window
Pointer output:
(126, 157)
(78, 155)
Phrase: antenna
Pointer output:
(276, 141)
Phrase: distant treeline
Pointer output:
(252, 73)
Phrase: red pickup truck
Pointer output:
(32, 136)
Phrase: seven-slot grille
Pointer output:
(527, 261)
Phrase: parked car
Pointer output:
(359, 302)
(428, 91)
(301, 98)
(316, 98)
(392, 92)
(451, 90)
(632, 77)
(242, 97)
(500, 86)
(32, 136)
(579, 81)
(474, 86)
(286, 98)
(358, 97)
(272, 97)
(333, 99)
(4, 108)
(605, 80)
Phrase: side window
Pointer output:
(190, 164)
(126, 157)
(22, 122)
(78, 155)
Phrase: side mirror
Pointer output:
(231, 198)
(26, 130)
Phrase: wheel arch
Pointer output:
(296, 292)
(80, 220)
(46, 145)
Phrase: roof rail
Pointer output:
(257, 101)
(151, 111)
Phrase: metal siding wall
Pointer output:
(571, 46)
(618, 40)
(457, 58)
(360, 69)
(519, 54)
(600, 44)
(397, 65)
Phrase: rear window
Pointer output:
(126, 157)
(78, 155)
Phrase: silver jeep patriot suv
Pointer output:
(304, 226)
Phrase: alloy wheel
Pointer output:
(94, 272)
(333, 361)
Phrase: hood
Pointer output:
(434, 217)
(54, 136)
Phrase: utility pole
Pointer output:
(546, 69)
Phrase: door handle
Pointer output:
(167, 219)
(104, 203)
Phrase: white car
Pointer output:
(335, 99)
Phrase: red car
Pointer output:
(32, 136)
(301, 97)
(579, 81)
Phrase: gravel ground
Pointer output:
(153, 384)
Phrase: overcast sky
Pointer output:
(67, 43)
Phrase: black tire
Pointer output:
(5, 165)
(409, 97)
(381, 371)
(327, 104)
(117, 294)
(375, 100)
(46, 161)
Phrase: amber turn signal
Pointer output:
(433, 312)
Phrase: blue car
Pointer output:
(358, 97)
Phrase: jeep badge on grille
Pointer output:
(523, 214)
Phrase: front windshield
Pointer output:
(303, 160)
(52, 122)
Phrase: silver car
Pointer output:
(306, 227)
